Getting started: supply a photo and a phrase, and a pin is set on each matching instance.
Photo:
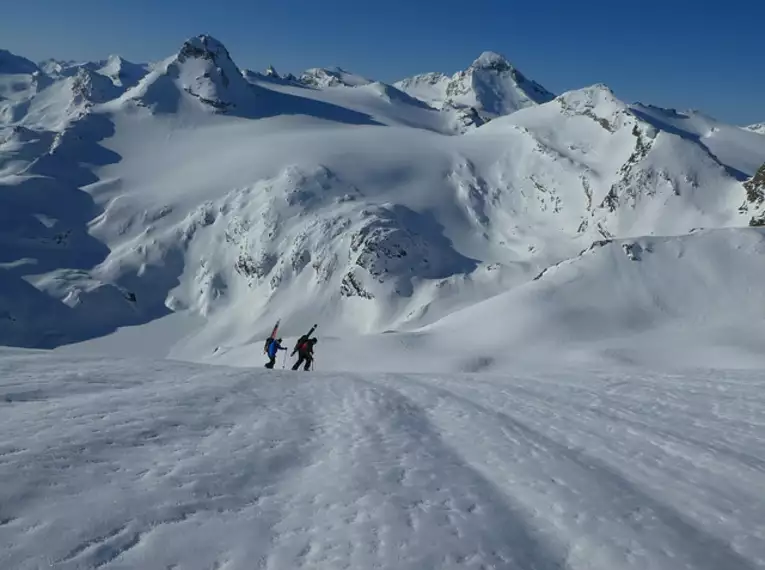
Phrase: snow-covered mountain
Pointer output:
(492, 86)
(758, 128)
(200, 190)
(332, 77)
(203, 70)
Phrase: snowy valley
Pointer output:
(541, 321)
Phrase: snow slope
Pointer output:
(130, 464)
(663, 302)
(738, 149)
(758, 128)
(690, 300)
(381, 102)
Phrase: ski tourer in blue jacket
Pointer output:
(273, 347)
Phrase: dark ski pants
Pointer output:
(271, 361)
(303, 357)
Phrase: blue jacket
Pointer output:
(274, 346)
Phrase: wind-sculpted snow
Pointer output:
(127, 464)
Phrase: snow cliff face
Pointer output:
(200, 189)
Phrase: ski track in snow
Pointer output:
(109, 463)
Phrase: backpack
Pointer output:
(269, 340)
(299, 344)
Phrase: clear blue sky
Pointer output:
(673, 53)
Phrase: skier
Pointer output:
(305, 353)
(273, 347)
(302, 339)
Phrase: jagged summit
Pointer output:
(202, 69)
(204, 46)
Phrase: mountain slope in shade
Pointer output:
(12, 64)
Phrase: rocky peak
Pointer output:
(204, 47)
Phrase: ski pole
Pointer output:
(284, 360)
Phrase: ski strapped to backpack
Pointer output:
(303, 339)
(272, 337)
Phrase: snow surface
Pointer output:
(110, 463)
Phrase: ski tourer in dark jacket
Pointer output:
(305, 353)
